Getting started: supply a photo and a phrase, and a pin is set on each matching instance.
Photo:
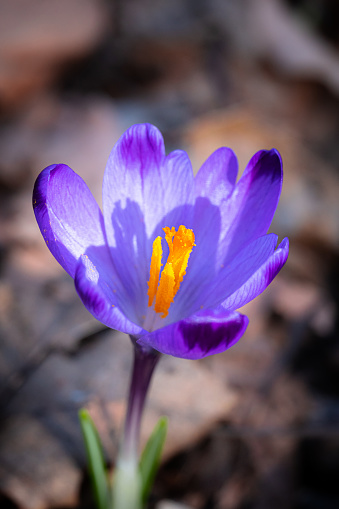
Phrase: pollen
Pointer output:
(154, 270)
(180, 244)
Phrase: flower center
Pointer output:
(180, 245)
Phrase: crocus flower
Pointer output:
(172, 257)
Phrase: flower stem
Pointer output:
(145, 361)
(127, 487)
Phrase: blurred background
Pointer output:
(257, 426)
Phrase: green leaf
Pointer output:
(150, 457)
(95, 460)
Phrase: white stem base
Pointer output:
(127, 486)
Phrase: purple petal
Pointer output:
(216, 177)
(131, 254)
(100, 296)
(201, 264)
(214, 183)
(68, 216)
(257, 283)
(234, 275)
(139, 173)
(249, 211)
(143, 191)
(206, 333)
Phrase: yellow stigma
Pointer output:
(180, 245)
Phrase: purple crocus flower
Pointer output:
(210, 229)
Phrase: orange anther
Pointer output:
(180, 244)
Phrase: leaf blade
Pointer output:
(150, 458)
(95, 459)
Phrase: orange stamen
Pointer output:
(154, 270)
(165, 293)
(180, 246)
